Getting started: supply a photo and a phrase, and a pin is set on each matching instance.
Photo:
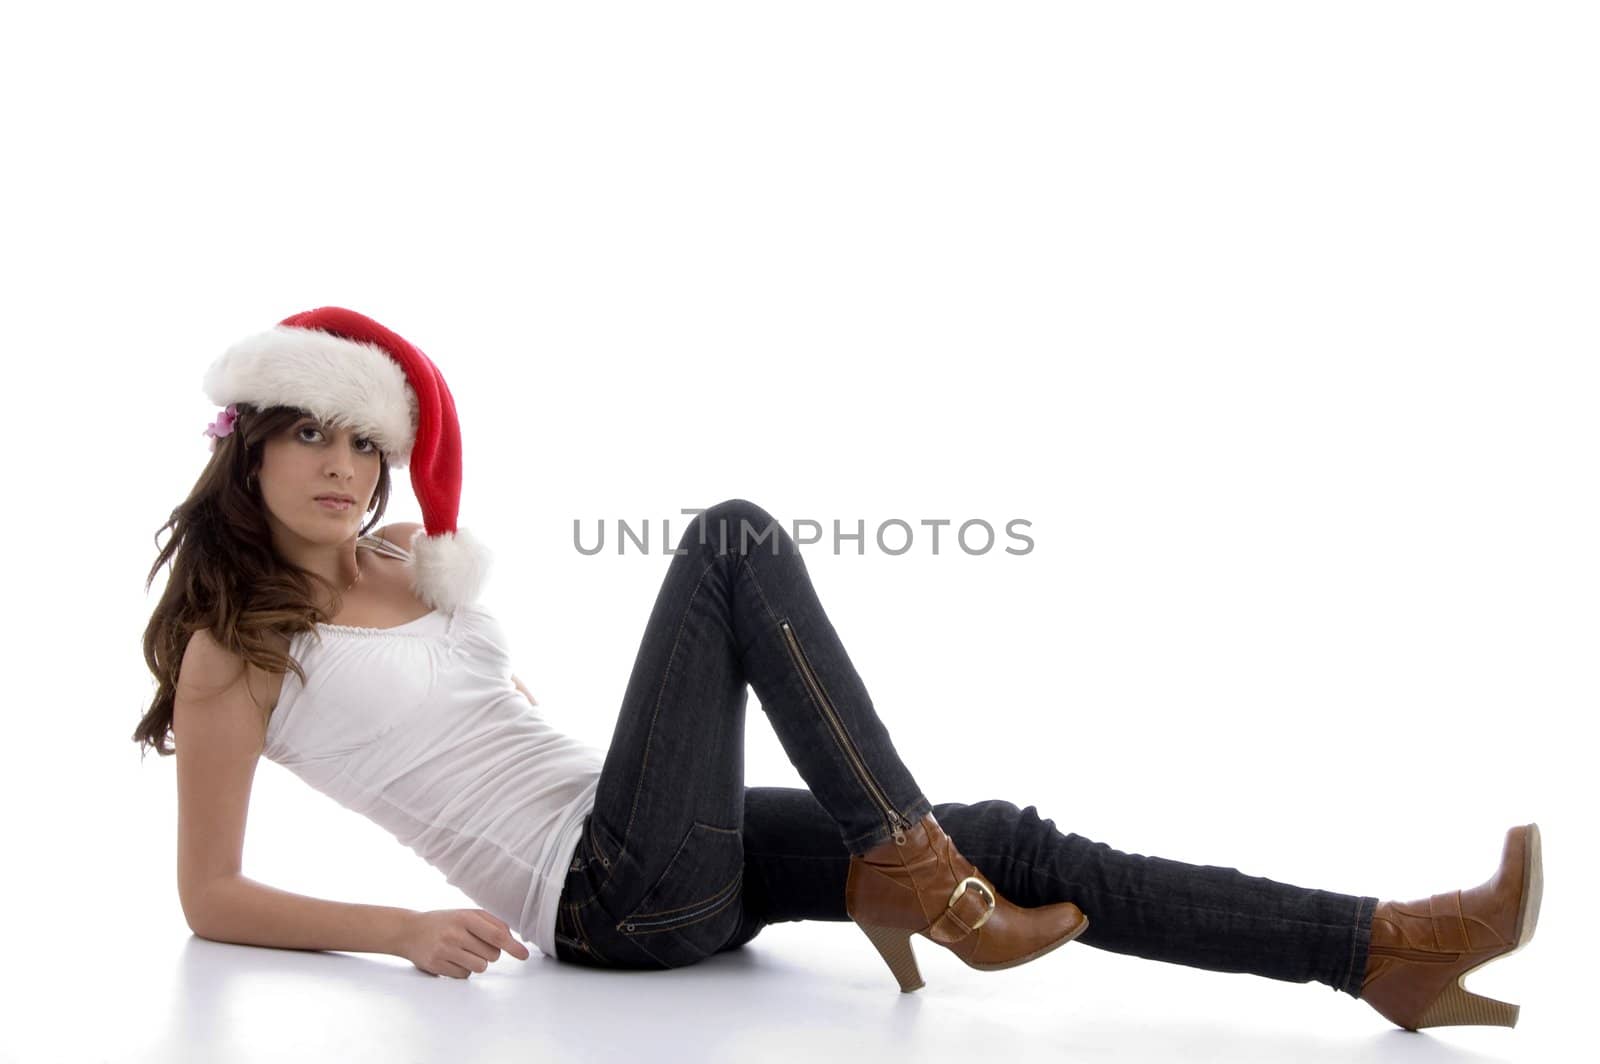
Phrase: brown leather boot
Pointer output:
(1423, 950)
(924, 886)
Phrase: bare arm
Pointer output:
(241, 910)
(219, 730)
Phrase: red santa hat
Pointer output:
(348, 370)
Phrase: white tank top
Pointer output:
(421, 729)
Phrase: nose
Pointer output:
(341, 462)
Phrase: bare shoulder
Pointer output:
(208, 667)
(210, 671)
(399, 533)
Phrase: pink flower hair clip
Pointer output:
(223, 425)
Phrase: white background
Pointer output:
(1277, 322)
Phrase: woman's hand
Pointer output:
(457, 942)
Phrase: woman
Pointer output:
(362, 663)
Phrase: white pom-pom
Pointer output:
(448, 570)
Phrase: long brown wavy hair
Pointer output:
(225, 575)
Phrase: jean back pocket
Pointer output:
(693, 908)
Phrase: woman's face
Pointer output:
(308, 460)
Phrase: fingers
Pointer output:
(464, 964)
(475, 942)
(496, 934)
(474, 949)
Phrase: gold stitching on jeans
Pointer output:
(636, 927)
(588, 943)
(638, 917)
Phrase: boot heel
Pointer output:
(894, 946)
(1456, 1006)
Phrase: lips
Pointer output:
(336, 498)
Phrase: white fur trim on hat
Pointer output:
(354, 385)
(448, 570)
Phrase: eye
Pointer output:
(369, 446)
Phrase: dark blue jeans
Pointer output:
(680, 860)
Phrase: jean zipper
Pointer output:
(896, 823)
